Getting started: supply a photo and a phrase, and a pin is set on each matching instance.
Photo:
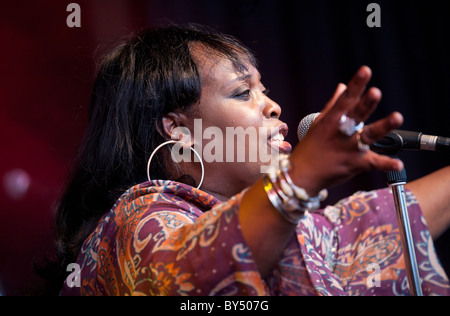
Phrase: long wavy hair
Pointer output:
(138, 83)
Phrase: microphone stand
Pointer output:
(391, 146)
(397, 180)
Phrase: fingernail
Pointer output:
(364, 72)
(374, 97)
(397, 119)
(340, 89)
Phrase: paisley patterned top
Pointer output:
(167, 238)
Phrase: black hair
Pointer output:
(138, 83)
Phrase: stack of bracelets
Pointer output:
(290, 200)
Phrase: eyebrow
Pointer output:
(243, 78)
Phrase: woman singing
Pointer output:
(163, 201)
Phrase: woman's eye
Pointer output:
(243, 95)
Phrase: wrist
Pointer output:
(290, 200)
(306, 178)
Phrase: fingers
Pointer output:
(367, 105)
(375, 132)
(356, 103)
(380, 162)
(339, 90)
(380, 128)
(352, 101)
(352, 95)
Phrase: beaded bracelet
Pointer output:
(291, 201)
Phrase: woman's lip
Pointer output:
(282, 129)
(283, 147)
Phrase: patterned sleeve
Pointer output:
(171, 251)
(160, 244)
(368, 254)
(354, 248)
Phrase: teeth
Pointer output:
(278, 137)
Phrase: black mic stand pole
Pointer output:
(397, 180)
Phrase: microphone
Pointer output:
(393, 142)
(398, 140)
(305, 124)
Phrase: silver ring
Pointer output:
(361, 145)
(348, 126)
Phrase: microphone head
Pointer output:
(305, 124)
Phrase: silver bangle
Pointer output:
(291, 201)
(300, 193)
(274, 198)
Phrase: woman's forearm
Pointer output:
(264, 229)
(433, 195)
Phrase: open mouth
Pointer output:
(276, 139)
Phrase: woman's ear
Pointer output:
(174, 128)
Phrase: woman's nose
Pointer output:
(271, 109)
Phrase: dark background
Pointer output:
(305, 49)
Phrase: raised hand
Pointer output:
(326, 156)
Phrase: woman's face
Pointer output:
(239, 125)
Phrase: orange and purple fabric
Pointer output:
(167, 238)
